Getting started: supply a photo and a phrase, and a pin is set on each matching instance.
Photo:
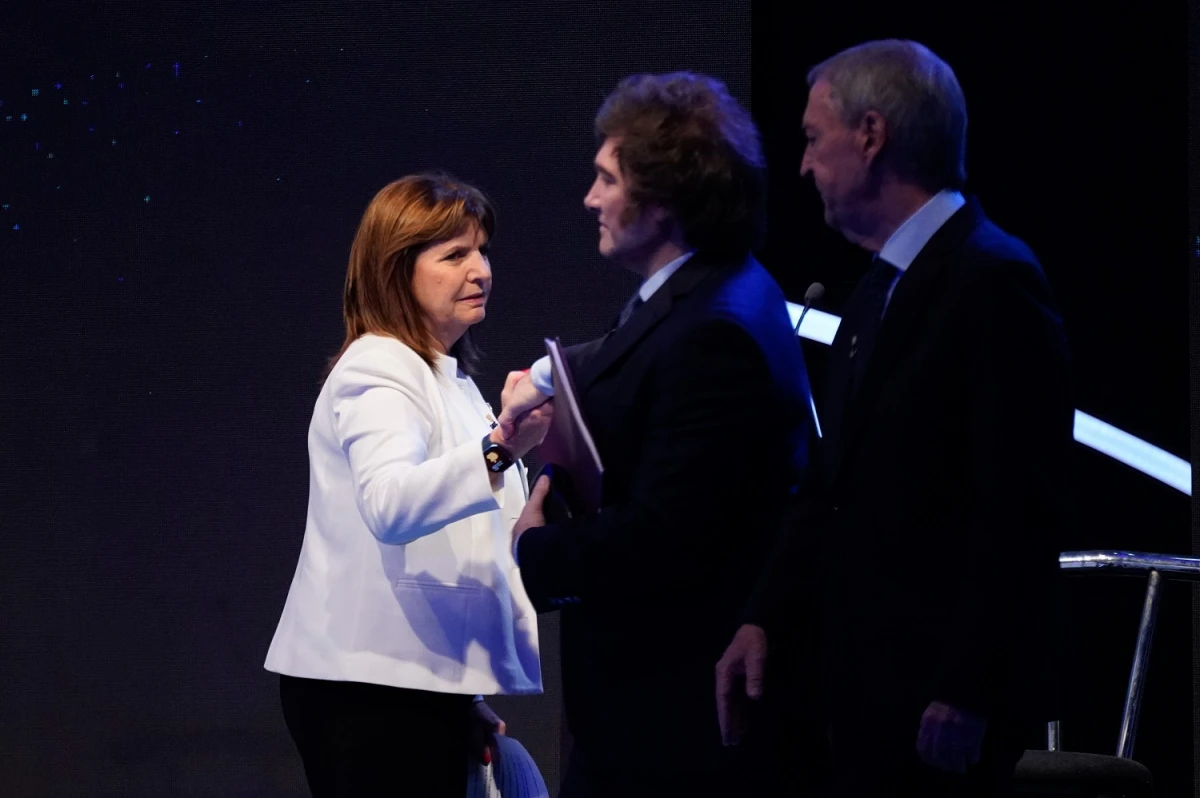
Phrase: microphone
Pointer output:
(812, 295)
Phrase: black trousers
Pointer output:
(366, 739)
(584, 779)
(748, 770)
(877, 758)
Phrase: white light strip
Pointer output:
(1090, 431)
(1134, 452)
(818, 325)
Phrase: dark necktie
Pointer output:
(866, 316)
(630, 307)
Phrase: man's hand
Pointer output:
(532, 515)
(950, 739)
(484, 726)
(518, 398)
(742, 663)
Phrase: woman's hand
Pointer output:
(484, 726)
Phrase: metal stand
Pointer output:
(1184, 568)
(1141, 662)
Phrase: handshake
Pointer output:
(525, 414)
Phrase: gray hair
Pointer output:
(918, 96)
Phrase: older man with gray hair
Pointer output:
(941, 485)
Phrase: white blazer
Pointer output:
(406, 574)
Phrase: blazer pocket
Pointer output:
(433, 631)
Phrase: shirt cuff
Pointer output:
(542, 376)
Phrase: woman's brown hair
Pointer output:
(404, 218)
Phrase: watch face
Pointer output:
(495, 456)
(496, 459)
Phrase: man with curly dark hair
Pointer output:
(697, 400)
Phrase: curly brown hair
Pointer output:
(684, 143)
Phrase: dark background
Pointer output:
(170, 299)
(1194, 303)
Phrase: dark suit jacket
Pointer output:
(699, 409)
(940, 496)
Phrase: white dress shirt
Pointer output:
(902, 248)
(540, 371)
(406, 577)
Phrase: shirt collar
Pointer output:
(656, 280)
(912, 236)
(447, 366)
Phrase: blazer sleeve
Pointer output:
(384, 422)
(705, 392)
(1020, 421)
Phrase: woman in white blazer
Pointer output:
(406, 604)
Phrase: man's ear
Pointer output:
(872, 135)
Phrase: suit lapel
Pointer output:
(838, 388)
(905, 312)
(614, 345)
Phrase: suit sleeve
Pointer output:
(384, 423)
(707, 395)
(1020, 422)
(786, 588)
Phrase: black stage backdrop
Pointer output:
(1194, 280)
(1077, 143)
(180, 183)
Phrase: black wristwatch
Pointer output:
(497, 457)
